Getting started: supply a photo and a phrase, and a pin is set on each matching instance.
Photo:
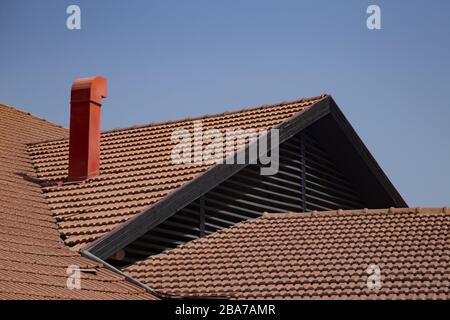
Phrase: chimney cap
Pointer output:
(91, 89)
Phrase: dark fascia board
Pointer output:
(366, 156)
(180, 198)
(152, 216)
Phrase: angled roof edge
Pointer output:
(178, 199)
(31, 115)
(365, 154)
(218, 114)
(150, 217)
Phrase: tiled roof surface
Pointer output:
(314, 255)
(33, 259)
(136, 170)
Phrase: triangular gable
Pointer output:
(307, 179)
(329, 127)
(136, 170)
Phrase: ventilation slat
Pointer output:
(307, 180)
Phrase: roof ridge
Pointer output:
(166, 122)
(15, 109)
(210, 115)
(262, 106)
(365, 211)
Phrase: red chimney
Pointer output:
(84, 144)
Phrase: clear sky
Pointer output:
(172, 59)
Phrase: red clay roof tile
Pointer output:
(33, 259)
(136, 170)
(312, 256)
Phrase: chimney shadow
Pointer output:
(40, 182)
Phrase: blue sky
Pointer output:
(172, 59)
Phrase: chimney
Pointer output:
(84, 143)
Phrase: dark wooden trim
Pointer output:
(366, 156)
(178, 199)
(202, 216)
(334, 127)
(303, 171)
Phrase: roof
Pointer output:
(316, 255)
(33, 259)
(320, 117)
(136, 170)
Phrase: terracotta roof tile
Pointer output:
(33, 259)
(136, 170)
(316, 255)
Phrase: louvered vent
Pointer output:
(307, 180)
